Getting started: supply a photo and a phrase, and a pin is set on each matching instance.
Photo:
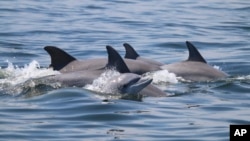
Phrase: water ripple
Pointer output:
(158, 30)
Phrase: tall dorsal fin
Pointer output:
(194, 54)
(59, 58)
(116, 61)
(130, 52)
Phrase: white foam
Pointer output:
(99, 84)
(217, 67)
(162, 76)
(247, 77)
(13, 75)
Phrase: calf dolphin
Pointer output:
(195, 68)
(63, 62)
(130, 84)
(125, 83)
(132, 54)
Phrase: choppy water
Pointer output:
(158, 30)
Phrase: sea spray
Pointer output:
(100, 83)
(14, 79)
(162, 76)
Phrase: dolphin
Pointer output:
(125, 83)
(130, 84)
(121, 65)
(132, 54)
(63, 62)
(195, 68)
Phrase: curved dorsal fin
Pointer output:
(59, 58)
(130, 52)
(194, 54)
(116, 61)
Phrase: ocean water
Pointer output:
(157, 30)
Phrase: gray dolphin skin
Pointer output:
(195, 68)
(132, 84)
(63, 62)
(132, 54)
(126, 83)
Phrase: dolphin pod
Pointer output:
(195, 68)
(63, 62)
(79, 73)
(126, 83)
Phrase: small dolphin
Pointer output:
(126, 83)
(63, 62)
(134, 85)
(132, 54)
(195, 68)
(149, 90)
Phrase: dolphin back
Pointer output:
(116, 61)
(59, 58)
(194, 54)
(130, 52)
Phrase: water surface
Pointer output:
(158, 30)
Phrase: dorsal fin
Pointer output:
(116, 61)
(194, 54)
(130, 52)
(59, 58)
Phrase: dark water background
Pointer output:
(158, 30)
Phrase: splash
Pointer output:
(99, 84)
(247, 77)
(163, 76)
(12, 77)
(217, 67)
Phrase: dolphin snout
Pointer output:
(138, 85)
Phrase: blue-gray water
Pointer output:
(158, 30)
